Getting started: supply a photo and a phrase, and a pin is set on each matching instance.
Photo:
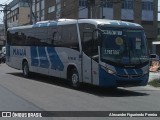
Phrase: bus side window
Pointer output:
(52, 31)
(87, 43)
(69, 36)
(86, 33)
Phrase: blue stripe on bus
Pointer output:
(130, 72)
(139, 71)
(34, 57)
(56, 63)
(44, 63)
(120, 71)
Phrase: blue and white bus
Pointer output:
(106, 53)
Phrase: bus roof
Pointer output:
(110, 23)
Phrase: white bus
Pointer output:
(106, 53)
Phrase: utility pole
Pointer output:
(30, 5)
(35, 18)
(91, 3)
(5, 18)
(102, 4)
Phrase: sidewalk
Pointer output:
(154, 75)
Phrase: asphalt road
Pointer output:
(42, 93)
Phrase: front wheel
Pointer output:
(25, 68)
(74, 78)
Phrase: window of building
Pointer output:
(42, 4)
(37, 6)
(13, 18)
(51, 9)
(109, 4)
(82, 3)
(38, 15)
(147, 5)
(58, 7)
(17, 17)
(42, 13)
(33, 7)
(23, 4)
(128, 4)
(58, 11)
(58, 1)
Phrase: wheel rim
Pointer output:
(75, 79)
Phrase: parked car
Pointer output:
(3, 55)
(2, 58)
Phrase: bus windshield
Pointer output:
(123, 46)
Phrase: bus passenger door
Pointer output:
(90, 62)
(86, 57)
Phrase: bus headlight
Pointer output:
(110, 71)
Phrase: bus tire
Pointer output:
(25, 68)
(74, 78)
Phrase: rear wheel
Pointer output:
(74, 78)
(25, 68)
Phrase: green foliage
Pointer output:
(155, 83)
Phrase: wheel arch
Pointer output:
(24, 60)
(69, 68)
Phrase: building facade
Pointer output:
(19, 13)
(54, 9)
(156, 44)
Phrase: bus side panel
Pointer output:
(95, 72)
(41, 61)
(54, 61)
(68, 57)
(16, 54)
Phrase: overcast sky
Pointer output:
(1, 13)
(8, 1)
